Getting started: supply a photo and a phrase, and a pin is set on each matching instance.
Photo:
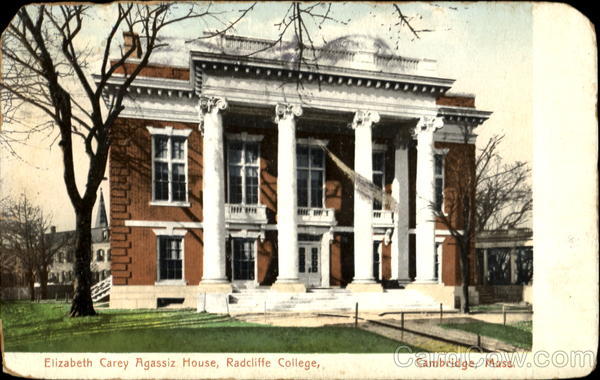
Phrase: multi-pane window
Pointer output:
(169, 165)
(311, 175)
(100, 255)
(170, 250)
(378, 175)
(439, 181)
(243, 168)
(243, 259)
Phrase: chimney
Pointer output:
(132, 40)
(53, 229)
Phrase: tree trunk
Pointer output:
(82, 304)
(43, 273)
(464, 277)
(31, 281)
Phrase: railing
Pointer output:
(238, 213)
(383, 218)
(101, 289)
(316, 216)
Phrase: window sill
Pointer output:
(170, 282)
(169, 204)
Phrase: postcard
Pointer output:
(264, 190)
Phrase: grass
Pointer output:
(518, 334)
(44, 327)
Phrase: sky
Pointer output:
(485, 47)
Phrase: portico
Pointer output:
(312, 176)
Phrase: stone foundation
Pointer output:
(442, 294)
(355, 287)
(288, 287)
(146, 296)
(208, 287)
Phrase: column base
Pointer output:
(419, 281)
(288, 287)
(215, 287)
(365, 287)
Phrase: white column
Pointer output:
(287, 197)
(363, 200)
(326, 241)
(425, 198)
(400, 264)
(213, 192)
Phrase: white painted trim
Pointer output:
(312, 144)
(440, 256)
(170, 204)
(244, 234)
(162, 224)
(311, 141)
(169, 233)
(232, 253)
(169, 132)
(244, 136)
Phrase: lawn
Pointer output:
(44, 327)
(517, 334)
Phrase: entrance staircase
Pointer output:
(260, 300)
(101, 290)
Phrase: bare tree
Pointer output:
(480, 191)
(21, 233)
(45, 62)
(503, 199)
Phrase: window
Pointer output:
(243, 259)
(243, 167)
(378, 175)
(108, 254)
(437, 263)
(439, 181)
(169, 165)
(170, 250)
(376, 259)
(311, 175)
(100, 255)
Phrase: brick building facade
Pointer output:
(242, 171)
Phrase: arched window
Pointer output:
(100, 255)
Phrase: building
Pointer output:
(505, 265)
(62, 272)
(234, 167)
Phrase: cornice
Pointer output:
(325, 75)
(463, 115)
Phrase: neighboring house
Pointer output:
(233, 168)
(505, 265)
(61, 270)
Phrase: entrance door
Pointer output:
(243, 263)
(309, 264)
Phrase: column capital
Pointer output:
(207, 104)
(365, 119)
(428, 124)
(287, 110)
